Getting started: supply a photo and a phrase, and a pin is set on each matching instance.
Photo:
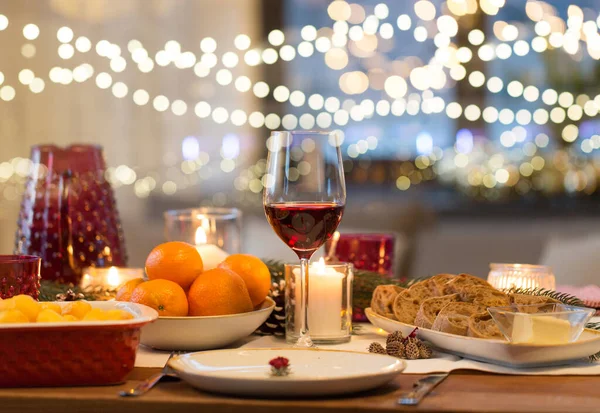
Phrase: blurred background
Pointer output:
(469, 127)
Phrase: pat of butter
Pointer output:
(534, 329)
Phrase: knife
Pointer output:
(421, 388)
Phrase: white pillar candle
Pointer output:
(211, 255)
(324, 299)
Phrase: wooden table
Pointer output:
(460, 392)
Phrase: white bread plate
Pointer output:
(314, 371)
(499, 352)
(204, 333)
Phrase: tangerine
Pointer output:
(125, 290)
(254, 272)
(175, 261)
(219, 292)
(166, 297)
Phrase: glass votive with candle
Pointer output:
(329, 302)
(508, 276)
(108, 278)
(216, 232)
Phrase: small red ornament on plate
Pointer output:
(280, 366)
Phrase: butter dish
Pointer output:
(541, 324)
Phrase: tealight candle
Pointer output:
(329, 302)
(111, 277)
(211, 255)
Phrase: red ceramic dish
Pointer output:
(72, 353)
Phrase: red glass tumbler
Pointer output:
(369, 252)
(68, 214)
(19, 274)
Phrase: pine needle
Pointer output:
(564, 298)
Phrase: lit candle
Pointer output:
(324, 299)
(210, 253)
(507, 276)
(110, 278)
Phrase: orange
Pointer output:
(219, 292)
(125, 290)
(179, 262)
(165, 296)
(254, 272)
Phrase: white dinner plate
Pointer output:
(498, 351)
(314, 372)
(204, 333)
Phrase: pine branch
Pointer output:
(50, 289)
(564, 298)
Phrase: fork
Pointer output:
(151, 381)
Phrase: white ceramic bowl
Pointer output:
(204, 333)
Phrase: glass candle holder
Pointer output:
(329, 302)
(216, 232)
(19, 274)
(507, 276)
(110, 278)
(370, 252)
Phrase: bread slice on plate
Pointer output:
(383, 300)
(437, 283)
(483, 326)
(408, 302)
(527, 299)
(460, 282)
(430, 308)
(453, 318)
(486, 296)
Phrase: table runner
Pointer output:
(366, 334)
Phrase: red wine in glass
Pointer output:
(304, 226)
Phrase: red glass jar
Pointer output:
(19, 274)
(369, 252)
(68, 214)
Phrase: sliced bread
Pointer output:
(408, 302)
(382, 302)
(460, 282)
(430, 308)
(485, 296)
(483, 326)
(527, 299)
(453, 318)
(437, 283)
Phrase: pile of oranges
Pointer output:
(178, 285)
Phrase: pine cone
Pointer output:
(376, 348)
(396, 349)
(412, 350)
(425, 351)
(395, 336)
(275, 324)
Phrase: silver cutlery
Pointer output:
(151, 381)
(421, 388)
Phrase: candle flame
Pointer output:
(200, 236)
(113, 278)
(320, 265)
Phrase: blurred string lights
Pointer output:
(520, 162)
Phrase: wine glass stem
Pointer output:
(304, 340)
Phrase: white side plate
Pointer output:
(315, 372)
(498, 351)
(203, 333)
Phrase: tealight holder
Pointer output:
(507, 276)
(216, 232)
(110, 278)
(329, 302)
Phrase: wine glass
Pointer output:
(304, 199)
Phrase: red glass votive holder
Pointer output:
(369, 252)
(19, 274)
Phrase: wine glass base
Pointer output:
(304, 342)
